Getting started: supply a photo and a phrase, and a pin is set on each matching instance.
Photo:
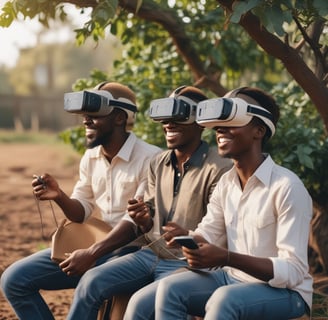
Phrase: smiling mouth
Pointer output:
(224, 140)
(171, 134)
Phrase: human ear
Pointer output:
(121, 118)
(261, 130)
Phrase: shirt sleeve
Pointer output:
(83, 190)
(295, 212)
(212, 226)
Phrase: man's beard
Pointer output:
(102, 140)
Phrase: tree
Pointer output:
(303, 40)
(215, 43)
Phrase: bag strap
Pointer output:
(37, 201)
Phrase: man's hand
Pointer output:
(78, 262)
(207, 256)
(172, 230)
(45, 187)
(140, 213)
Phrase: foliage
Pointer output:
(275, 14)
(300, 143)
(75, 137)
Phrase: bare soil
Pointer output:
(20, 228)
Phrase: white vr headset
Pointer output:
(97, 103)
(231, 112)
(179, 110)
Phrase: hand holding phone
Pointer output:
(186, 241)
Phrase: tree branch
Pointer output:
(170, 21)
(290, 58)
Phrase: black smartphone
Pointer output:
(186, 241)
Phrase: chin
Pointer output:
(224, 154)
(92, 143)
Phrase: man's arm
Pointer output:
(46, 187)
(120, 235)
(82, 260)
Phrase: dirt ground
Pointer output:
(20, 229)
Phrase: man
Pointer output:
(113, 170)
(264, 212)
(180, 184)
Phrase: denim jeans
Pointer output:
(22, 281)
(119, 276)
(217, 296)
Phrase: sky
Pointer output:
(24, 34)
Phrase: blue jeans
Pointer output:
(22, 281)
(119, 276)
(217, 296)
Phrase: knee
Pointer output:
(140, 306)
(11, 280)
(169, 291)
(224, 298)
(88, 282)
(132, 306)
(167, 286)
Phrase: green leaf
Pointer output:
(8, 15)
(321, 6)
(241, 7)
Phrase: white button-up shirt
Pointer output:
(109, 186)
(269, 218)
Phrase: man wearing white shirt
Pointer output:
(113, 170)
(252, 258)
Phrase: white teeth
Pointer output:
(171, 134)
(221, 140)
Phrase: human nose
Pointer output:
(169, 124)
(86, 119)
(220, 129)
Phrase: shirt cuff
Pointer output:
(280, 273)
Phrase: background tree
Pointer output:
(217, 46)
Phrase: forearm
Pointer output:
(72, 208)
(260, 268)
(122, 234)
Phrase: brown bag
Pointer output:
(70, 236)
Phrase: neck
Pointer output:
(246, 168)
(112, 148)
(184, 154)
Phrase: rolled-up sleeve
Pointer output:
(295, 212)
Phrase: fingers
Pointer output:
(137, 208)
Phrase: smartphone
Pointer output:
(186, 241)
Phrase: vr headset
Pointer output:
(96, 103)
(231, 112)
(179, 110)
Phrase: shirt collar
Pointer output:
(125, 151)
(262, 173)
(196, 159)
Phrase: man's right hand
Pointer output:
(140, 213)
(45, 187)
